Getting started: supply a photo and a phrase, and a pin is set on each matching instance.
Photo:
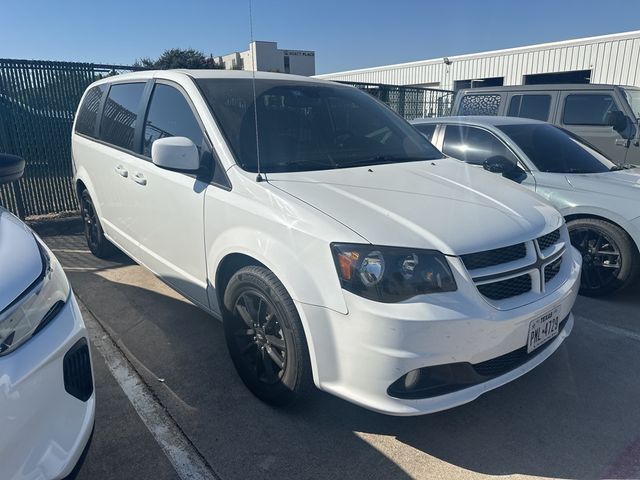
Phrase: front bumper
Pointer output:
(357, 356)
(44, 428)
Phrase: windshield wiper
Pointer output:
(577, 170)
(380, 160)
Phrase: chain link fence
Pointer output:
(410, 102)
(38, 100)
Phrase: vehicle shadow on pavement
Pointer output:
(575, 416)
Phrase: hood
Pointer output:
(622, 183)
(20, 261)
(442, 204)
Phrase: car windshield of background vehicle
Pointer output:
(554, 150)
(633, 97)
(305, 126)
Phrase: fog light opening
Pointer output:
(411, 379)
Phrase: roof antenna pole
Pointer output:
(253, 83)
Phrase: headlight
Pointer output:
(31, 311)
(390, 274)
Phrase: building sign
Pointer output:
(303, 53)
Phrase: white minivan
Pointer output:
(337, 245)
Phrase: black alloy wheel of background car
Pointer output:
(609, 256)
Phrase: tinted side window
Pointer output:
(427, 129)
(170, 115)
(473, 145)
(587, 109)
(485, 104)
(530, 106)
(121, 114)
(88, 113)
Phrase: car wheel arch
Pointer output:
(82, 183)
(578, 216)
(228, 265)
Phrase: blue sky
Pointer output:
(345, 34)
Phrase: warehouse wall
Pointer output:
(613, 59)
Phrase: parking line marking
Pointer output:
(186, 460)
(611, 328)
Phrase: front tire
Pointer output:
(99, 245)
(265, 337)
(610, 259)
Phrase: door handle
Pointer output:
(139, 179)
(122, 171)
(622, 142)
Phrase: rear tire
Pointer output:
(99, 245)
(265, 337)
(610, 260)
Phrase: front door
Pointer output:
(586, 115)
(169, 207)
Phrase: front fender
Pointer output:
(303, 264)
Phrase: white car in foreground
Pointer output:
(47, 403)
(336, 243)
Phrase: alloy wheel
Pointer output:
(259, 337)
(91, 225)
(601, 257)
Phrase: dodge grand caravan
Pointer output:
(337, 245)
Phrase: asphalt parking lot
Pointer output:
(575, 416)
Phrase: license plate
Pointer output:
(543, 329)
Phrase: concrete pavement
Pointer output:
(576, 416)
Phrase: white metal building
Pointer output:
(270, 58)
(610, 59)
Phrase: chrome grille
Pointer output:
(491, 258)
(549, 239)
(552, 270)
(523, 269)
(508, 288)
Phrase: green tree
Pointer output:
(178, 58)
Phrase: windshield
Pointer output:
(310, 126)
(633, 97)
(554, 150)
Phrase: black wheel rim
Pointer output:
(258, 337)
(90, 220)
(601, 258)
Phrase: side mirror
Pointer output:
(503, 166)
(176, 153)
(11, 167)
(617, 120)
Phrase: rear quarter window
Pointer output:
(120, 115)
(530, 106)
(479, 104)
(88, 112)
